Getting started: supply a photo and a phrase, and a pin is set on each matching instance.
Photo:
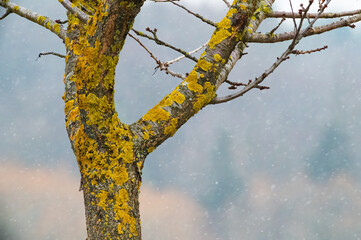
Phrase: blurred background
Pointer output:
(282, 163)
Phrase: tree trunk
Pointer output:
(111, 154)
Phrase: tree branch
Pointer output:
(183, 56)
(278, 14)
(5, 14)
(265, 38)
(227, 3)
(50, 53)
(190, 12)
(160, 42)
(35, 17)
(74, 10)
(255, 84)
(161, 65)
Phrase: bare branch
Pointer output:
(264, 38)
(255, 84)
(277, 14)
(183, 56)
(74, 10)
(227, 3)
(299, 52)
(35, 17)
(293, 14)
(8, 11)
(50, 53)
(160, 42)
(162, 66)
(275, 28)
(189, 11)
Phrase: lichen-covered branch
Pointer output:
(34, 17)
(199, 87)
(255, 84)
(74, 10)
(273, 38)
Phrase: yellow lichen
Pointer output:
(192, 82)
(172, 128)
(102, 197)
(156, 114)
(151, 149)
(204, 64)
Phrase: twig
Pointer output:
(162, 66)
(227, 3)
(160, 42)
(50, 53)
(61, 22)
(298, 52)
(74, 10)
(293, 14)
(192, 13)
(277, 14)
(275, 28)
(8, 11)
(183, 56)
(299, 35)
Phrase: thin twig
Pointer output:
(193, 13)
(227, 3)
(293, 14)
(275, 28)
(162, 66)
(8, 11)
(160, 42)
(183, 56)
(298, 52)
(50, 53)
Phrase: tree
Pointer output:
(110, 153)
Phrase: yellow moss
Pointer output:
(172, 128)
(16, 8)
